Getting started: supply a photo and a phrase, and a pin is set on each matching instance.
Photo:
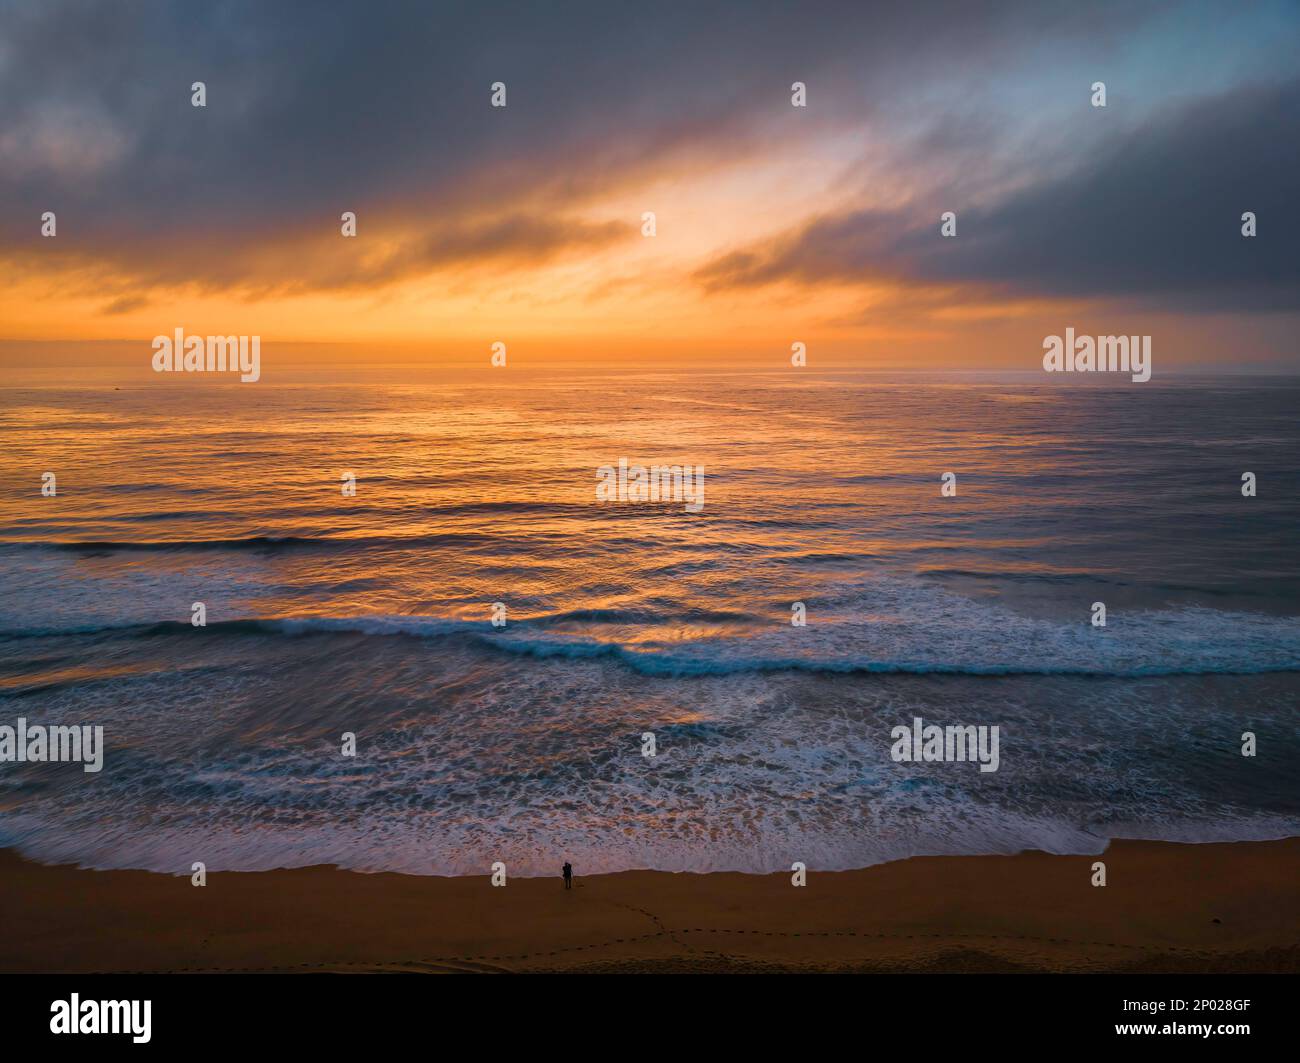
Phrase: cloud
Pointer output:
(383, 109)
(124, 305)
(300, 262)
(62, 143)
(1152, 215)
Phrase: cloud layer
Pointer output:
(913, 109)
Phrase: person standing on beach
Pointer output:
(568, 875)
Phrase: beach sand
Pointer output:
(1166, 907)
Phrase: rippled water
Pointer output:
(372, 614)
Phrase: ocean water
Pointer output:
(372, 614)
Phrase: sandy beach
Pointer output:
(1166, 907)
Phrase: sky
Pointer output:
(774, 224)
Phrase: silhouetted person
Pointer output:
(568, 875)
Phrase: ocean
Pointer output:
(372, 614)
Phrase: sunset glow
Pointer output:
(775, 224)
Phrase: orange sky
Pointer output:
(775, 224)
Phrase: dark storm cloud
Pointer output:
(1153, 215)
(382, 108)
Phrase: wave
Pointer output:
(405, 848)
(253, 542)
(1189, 641)
(1004, 576)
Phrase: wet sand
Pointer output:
(1166, 907)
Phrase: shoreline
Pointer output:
(1167, 906)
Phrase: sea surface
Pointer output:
(372, 614)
